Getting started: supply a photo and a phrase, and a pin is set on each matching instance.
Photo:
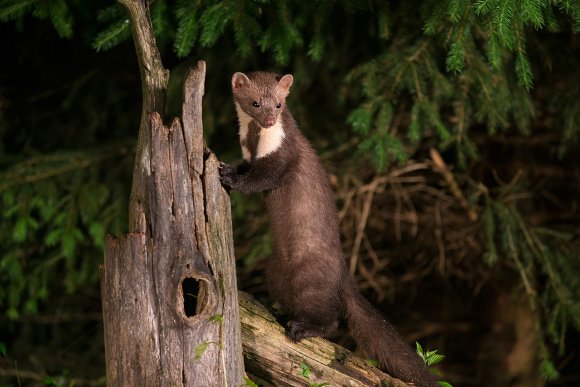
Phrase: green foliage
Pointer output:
(248, 382)
(431, 358)
(53, 208)
(395, 77)
(118, 31)
(403, 76)
(188, 27)
(57, 11)
(202, 24)
(547, 267)
(547, 369)
(465, 60)
(305, 370)
(483, 45)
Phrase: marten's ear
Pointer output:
(239, 80)
(285, 82)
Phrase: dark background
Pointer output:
(377, 86)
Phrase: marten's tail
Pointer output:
(380, 340)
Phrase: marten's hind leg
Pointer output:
(307, 288)
(301, 329)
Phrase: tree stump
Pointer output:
(169, 293)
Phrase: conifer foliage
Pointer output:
(404, 76)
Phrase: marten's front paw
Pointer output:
(227, 174)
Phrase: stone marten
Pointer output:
(307, 272)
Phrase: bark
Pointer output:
(169, 293)
(154, 82)
(274, 360)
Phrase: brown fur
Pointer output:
(307, 273)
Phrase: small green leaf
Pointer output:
(200, 349)
(434, 358)
(31, 306)
(548, 370)
(249, 382)
(372, 362)
(217, 318)
(12, 313)
(52, 237)
(69, 242)
(97, 232)
(20, 230)
(419, 349)
(2, 349)
(305, 370)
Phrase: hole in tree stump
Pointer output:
(190, 287)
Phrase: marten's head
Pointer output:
(261, 95)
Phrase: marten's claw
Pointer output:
(227, 174)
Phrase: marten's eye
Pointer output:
(279, 105)
(255, 104)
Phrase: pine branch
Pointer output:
(532, 12)
(247, 29)
(188, 25)
(502, 16)
(112, 36)
(455, 10)
(214, 21)
(15, 9)
(61, 18)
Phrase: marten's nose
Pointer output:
(269, 121)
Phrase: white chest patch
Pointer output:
(270, 138)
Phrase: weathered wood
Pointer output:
(151, 338)
(274, 359)
(170, 308)
(154, 81)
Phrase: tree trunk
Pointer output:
(274, 360)
(170, 307)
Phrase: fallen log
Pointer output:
(271, 359)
